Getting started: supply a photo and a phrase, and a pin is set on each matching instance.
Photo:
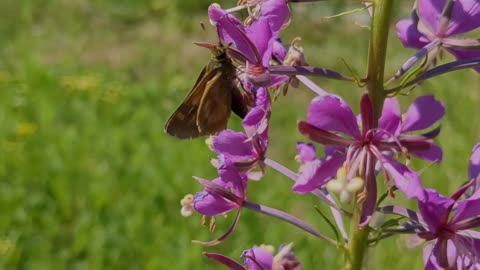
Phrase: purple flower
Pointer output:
(448, 225)
(262, 258)
(258, 258)
(222, 195)
(356, 149)
(434, 20)
(254, 42)
(247, 149)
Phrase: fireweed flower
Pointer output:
(331, 122)
(254, 42)
(227, 193)
(222, 195)
(261, 258)
(247, 149)
(448, 223)
(439, 21)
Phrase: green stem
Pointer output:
(358, 241)
(382, 12)
(377, 52)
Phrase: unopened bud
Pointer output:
(209, 142)
(187, 205)
(295, 55)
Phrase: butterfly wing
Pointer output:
(183, 122)
(216, 103)
(239, 104)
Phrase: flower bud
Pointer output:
(295, 55)
(187, 205)
(209, 143)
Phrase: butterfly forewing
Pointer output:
(215, 106)
(183, 122)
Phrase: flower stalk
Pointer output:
(358, 241)
(382, 12)
(377, 52)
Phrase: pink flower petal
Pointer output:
(391, 118)
(279, 50)
(404, 178)
(423, 113)
(315, 174)
(332, 113)
(467, 209)
(231, 30)
(430, 11)
(465, 17)
(408, 34)
(434, 154)
(233, 145)
(262, 37)
(258, 255)
(277, 12)
(435, 209)
(306, 152)
(232, 179)
(212, 204)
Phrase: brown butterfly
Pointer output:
(207, 107)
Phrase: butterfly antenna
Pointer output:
(203, 27)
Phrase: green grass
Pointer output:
(88, 179)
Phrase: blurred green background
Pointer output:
(88, 179)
